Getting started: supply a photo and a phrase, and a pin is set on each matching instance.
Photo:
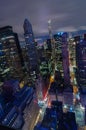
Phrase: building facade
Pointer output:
(11, 60)
(62, 57)
(31, 49)
(81, 64)
(65, 57)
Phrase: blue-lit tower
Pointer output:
(30, 43)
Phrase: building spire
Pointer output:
(27, 26)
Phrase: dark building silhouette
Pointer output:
(65, 57)
(2, 127)
(30, 43)
(49, 46)
(81, 63)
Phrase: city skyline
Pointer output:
(42, 87)
(65, 16)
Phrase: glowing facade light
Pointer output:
(65, 106)
(40, 111)
(75, 89)
(58, 33)
(7, 37)
(51, 79)
(71, 108)
(62, 33)
(82, 107)
(49, 21)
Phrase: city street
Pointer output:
(34, 114)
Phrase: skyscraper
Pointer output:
(62, 57)
(65, 57)
(30, 43)
(81, 63)
(11, 60)
(72, 60)
(58, 52)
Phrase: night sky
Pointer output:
(66, 15)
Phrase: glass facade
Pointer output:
(30, 44)
(81, 65)
(11, 61)
(62, 56)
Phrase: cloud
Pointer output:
(82, 28)
(67, 29)
(67, 15)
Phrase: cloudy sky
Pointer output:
(65, 15)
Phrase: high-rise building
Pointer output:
(65, 57)
(48, 49)
(31, 49)
(62, 56)
(58, 53)
(49, 46)
(24, 54)
(11, 60)
(72, 60)
(81, 63)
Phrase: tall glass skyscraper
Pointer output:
(11, 60)
(30, 43)
(62, 56)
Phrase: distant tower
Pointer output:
(52, 43)
(30, 43)
(50, 29)
(28, 29)
(70, 35)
